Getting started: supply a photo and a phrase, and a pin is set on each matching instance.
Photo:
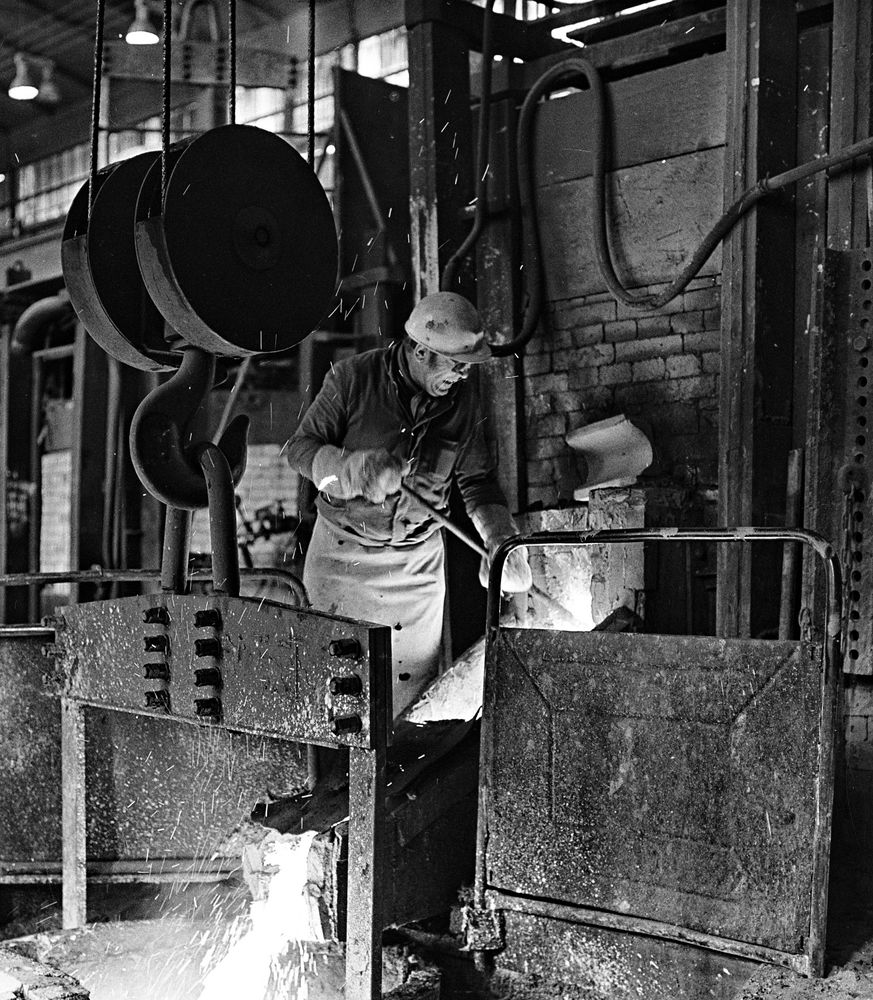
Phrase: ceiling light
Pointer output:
(142, 31)
(48, 89)
(22, 87)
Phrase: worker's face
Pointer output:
(434, 373)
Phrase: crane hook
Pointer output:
(164, 455)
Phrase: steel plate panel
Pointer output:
(273, 663)
(669, 778)
(153, 790)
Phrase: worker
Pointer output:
(402, 414)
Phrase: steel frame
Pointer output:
(367, 750)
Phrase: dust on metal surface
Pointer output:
(30, 749)
(548, 958)
(153, 790)
(667, 778)
(252, 666)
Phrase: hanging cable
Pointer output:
(165, 92)
(231, 55)
(310, 95)
(482, 164)
(95, 104)
(566, 73)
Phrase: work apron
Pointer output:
(403, 587)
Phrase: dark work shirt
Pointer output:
(369, 401)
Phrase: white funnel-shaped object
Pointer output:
(611, 452)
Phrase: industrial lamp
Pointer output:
(142, 30)
(22, 87)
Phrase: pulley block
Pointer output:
(102, 274)
(239, 251)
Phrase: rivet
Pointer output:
(158, 699)
(344, 725)
(207, 677)
(346, 685)
(156, 616)
(208, 708)
(210, 618)
(347, 646)
(207, 647)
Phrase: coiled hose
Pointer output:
(568, 72)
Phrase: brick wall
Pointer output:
(597, 358)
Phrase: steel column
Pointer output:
(440, 148)
(74, 894)
(757, 294)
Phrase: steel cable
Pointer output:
(231, 54)
(166, 73)
(310, 95)
(95, 104)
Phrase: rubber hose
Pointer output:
(565, 73)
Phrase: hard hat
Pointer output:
(448, 324)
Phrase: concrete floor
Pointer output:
(152, 941)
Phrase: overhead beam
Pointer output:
(524, 39)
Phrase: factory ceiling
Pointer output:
(63, 32)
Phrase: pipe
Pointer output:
(450, 270)
(222, 519)
(110, 460)
(791, 553)
(98, 576)
(177, 544)
(32, 322)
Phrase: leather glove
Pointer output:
(373, 473)
(495, 524)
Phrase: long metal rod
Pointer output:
(222, 520)
(791, 553)
(650, 928)
(449, 525)
(177, 544)
(820, 545)
(166, 74)
(145, 575)
(231, 39)
(74, 849)
(444, 521)
(367, 873)
(95, 104)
